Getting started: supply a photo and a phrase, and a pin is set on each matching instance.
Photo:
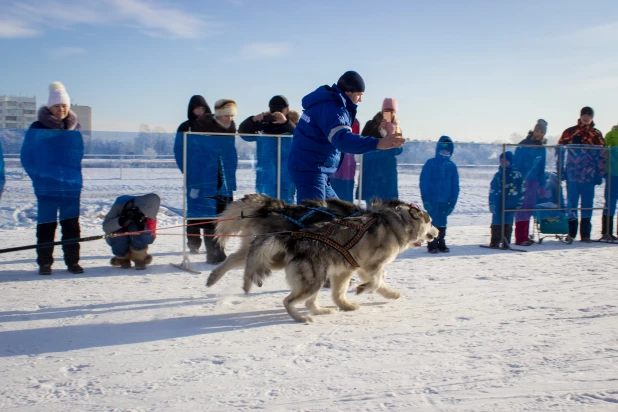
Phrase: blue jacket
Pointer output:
(324, 131)
(514, 186)
(530, 161)
(439, 179)
(2, 178)
(53, 160)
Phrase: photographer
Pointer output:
(131, 214)
(279, 120)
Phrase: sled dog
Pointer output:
(258, 214)
(334, 250)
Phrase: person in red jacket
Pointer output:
(583, 168)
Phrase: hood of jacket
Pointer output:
(445, 140)
(197, 101)
(47, 119)
(328, 93)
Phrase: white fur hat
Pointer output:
(225, 107)
(58, 95)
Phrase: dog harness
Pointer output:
(344, 250)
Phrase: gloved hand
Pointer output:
(598, 180)
(194, 193)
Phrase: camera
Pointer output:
(268, 118)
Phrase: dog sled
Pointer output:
(550, 221)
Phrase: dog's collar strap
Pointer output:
(344, 250)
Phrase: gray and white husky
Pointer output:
(335, 250)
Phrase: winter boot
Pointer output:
(607, 228)
(522, 233)
(496, 233)
(508, 232)
(123, 262)
(45, 233)
(140, 257)
(432, 247)
(573, 224)
(441, 240)
(70, 230)
(215, 254)
(585, 227)
(194, 231)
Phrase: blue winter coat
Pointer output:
(439, 181)
(211, 166)
(2, 178)
(530, 161)
(514, 194)
(324, 131)
(53, 158)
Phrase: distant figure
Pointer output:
(583, 169)
(211, 175)
(51, 155)
(2, 178)
(530, 162)
(132, 214)
(611, 185)
(439, 183)
(380, 167)
(278, 120)
(342, 181)
(324, 131)
(514, 197)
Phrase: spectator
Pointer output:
(136, 215)
(2, 178)
(529, 160)
(51, 155)
(611, 185)
(342, 181)
(439, 182)
(197, 108)
(278, 120)
(324, 131)
(380, 167)
(514, 197)
(583, 170)
(211, 175)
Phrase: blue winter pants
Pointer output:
(310, 185)
(611, 194)
(49, 207)
(580, 191)
(120, 245)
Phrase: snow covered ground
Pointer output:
(475, 329)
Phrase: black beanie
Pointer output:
(587, 110)
(351, 82)
(278, 103)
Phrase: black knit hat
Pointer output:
(587, 110)
(351, 82)
(278, 103)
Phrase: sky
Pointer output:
(474, 70)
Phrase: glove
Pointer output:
(194, 193)
(598, 180)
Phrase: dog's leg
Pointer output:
(373, 280)
(312, 305)
(236, 260)
(339, 287)
(385, 291)
(304, 286)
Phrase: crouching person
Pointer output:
(514, 198)
(136, 216)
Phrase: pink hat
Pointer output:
(390, 104)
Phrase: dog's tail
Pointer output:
(249, 207)
(265, 254)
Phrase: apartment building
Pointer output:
(17, 112)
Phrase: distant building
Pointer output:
(17, 112)
(84, 118)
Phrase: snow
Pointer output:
(475, 330)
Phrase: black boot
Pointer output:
(194, 231)
(585, 227)
(573, 223)
(607, 228)
(215, 254)
(508, 232)
(441, 240)
(496, 234)
(45, 233)
(70, 230)
(432, 247)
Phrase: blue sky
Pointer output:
(475, 70)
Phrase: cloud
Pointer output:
(16, 29)
(66, 51)
(30, 18)
(254, 51)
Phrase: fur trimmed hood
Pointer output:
(293, 116)
(47, 119)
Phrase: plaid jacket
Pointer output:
(582, 165)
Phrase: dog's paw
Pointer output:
(392, 294)
(212, 279)
(305, 319)
(349, 306)
(323, 311)
(361, 288)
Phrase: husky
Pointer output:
(311, 256)
(257, 214)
